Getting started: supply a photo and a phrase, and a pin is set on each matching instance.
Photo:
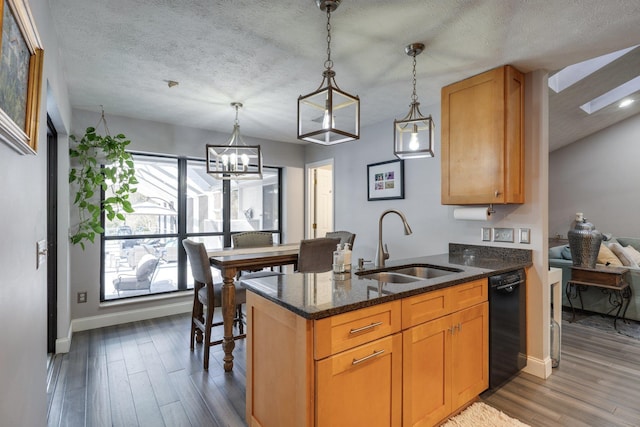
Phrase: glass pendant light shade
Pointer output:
(329, 115)
(235, 160)
(414, 135)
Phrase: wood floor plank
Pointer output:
(98, 399)
(160, 383)
(123, 412)
(174, 415)
(144, 399)
(194, 406)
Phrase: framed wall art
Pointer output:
(21, 58)
(385, 180)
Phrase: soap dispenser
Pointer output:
(338, 260)
(347, 257)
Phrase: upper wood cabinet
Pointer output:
(482, 139)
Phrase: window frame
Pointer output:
(181, 234)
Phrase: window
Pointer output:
(177, 199)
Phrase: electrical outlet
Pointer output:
(486, 234)
(82, 297)
(503, 235)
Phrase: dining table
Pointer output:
(231, 261)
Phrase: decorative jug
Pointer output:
(584, 242)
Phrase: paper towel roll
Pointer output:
(473, 214)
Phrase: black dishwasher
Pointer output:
(507, 326)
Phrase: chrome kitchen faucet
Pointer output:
(383, 254)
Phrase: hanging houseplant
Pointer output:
(100, 163)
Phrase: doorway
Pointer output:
(319, 198)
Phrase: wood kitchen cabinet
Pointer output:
(341, 370)
(361, 367)
(483, 139)
(445, 358)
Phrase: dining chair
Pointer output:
(316, 255)
(344, 236)
(253, 239)
(206, 296)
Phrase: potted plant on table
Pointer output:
(100, 163)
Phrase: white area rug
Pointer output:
(482, 415)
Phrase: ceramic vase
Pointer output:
(584, 242)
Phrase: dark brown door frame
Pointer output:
(52, 238)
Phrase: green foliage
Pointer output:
(115, 171)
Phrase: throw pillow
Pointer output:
(566, 252)
(622, 255)
(555, 252)
(607, 257)
(633, 252)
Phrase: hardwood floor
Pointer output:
(143, 373)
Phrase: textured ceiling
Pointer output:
(120, 54)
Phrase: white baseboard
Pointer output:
(134, 315)
(83, 324)
(537, 367)
(64, 344)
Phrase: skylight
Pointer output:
(614, 95)
(576, 72)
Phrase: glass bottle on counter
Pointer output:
(555, 343)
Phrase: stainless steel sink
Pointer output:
(407, 273)
(389, 277)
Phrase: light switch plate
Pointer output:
(525, 235)
(503, 235)
(486, 234)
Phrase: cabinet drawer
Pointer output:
(425, 307)
(468, 294)
(344, 331)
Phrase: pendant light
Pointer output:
(414, 134)
(329, 115)
(235, 160)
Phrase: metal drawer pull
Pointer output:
(374, 354)
(364, 328)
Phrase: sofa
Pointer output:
(595, 301)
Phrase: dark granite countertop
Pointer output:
(319, 295)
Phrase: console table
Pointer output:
(610, 280)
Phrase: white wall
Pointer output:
(598, 175)
(161, 138)
(23, 288)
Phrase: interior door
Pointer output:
(319, 199)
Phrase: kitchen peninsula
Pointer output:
(329, 350)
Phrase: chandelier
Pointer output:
(414, 134)
(329, 115)
(235, 160)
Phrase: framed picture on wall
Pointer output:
(21, 58)
(385, 180)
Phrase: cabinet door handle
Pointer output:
(364, 359)
(451, 329)
(364, 328)
(497, 193)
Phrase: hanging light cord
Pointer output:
(328, 63)
(414, 96)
